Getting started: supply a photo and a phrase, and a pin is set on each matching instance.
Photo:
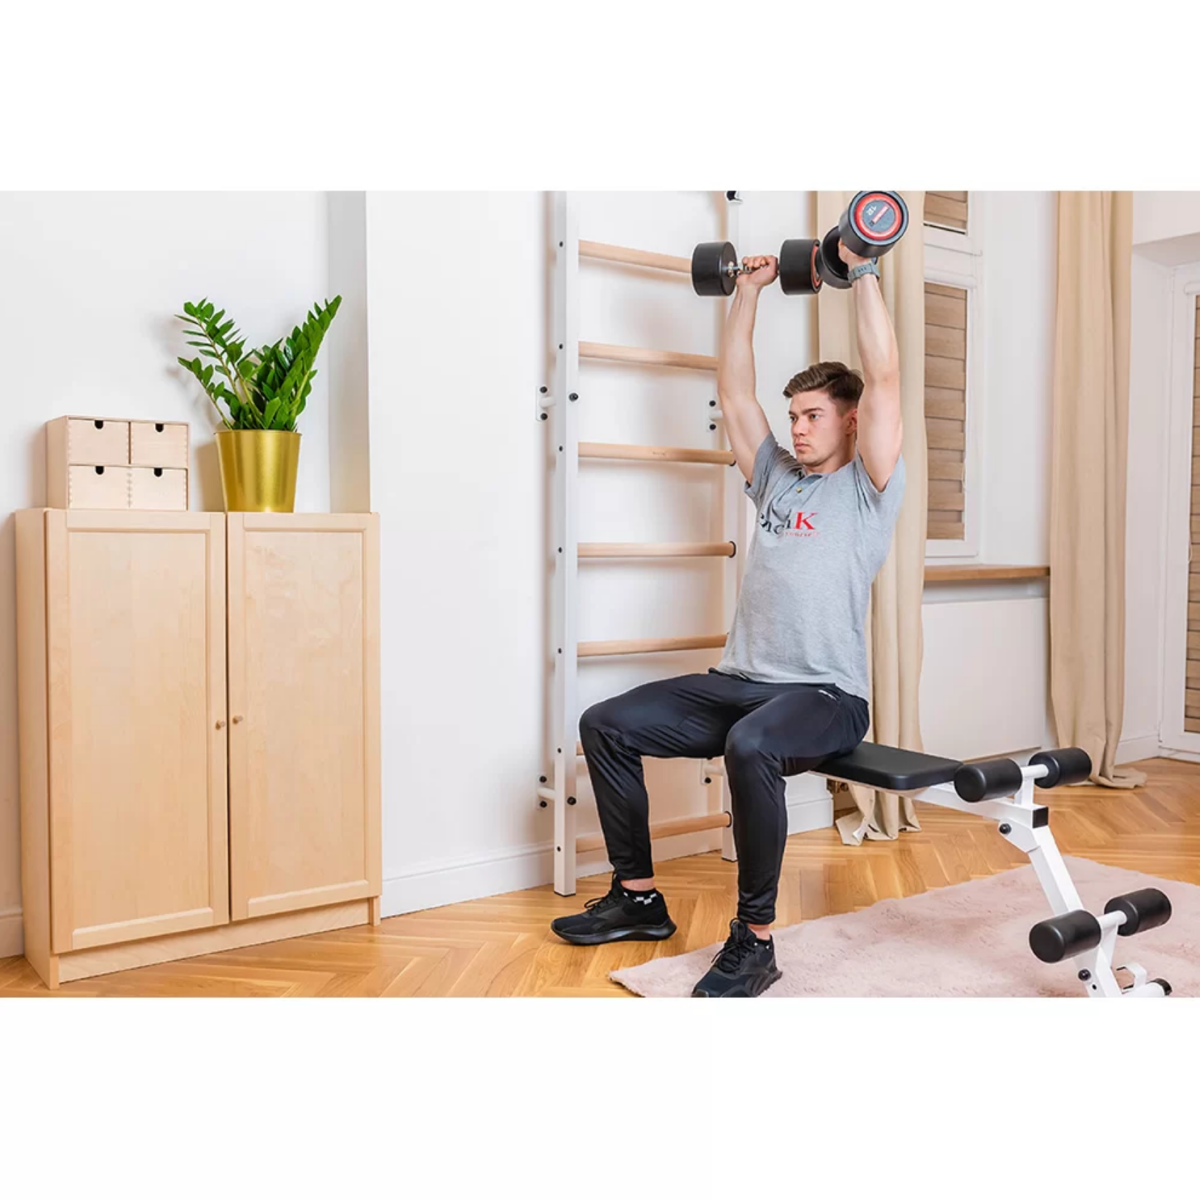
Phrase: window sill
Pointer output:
(978, 574)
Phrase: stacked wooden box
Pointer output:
(99, 463)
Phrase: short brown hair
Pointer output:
(844, 386)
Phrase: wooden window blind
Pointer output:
(1191, 699)
(947, 210)
(946, 408)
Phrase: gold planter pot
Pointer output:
(258, 469)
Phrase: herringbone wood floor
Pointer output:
(501, 946)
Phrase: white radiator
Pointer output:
(984, 682)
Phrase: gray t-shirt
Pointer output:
(820, 542)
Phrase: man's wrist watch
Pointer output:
(867, 268)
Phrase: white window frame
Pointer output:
(956, 260)
(1185, 286)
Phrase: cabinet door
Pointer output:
(135, 630)
(304, 710)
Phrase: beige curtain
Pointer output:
(894, 636)
(1088, 472)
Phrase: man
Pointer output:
(791, 688)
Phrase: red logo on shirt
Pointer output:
(802, 526)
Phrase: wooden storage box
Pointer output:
(160, 488)
(96, 487)
(97, 463)
(158, 444)
(87, 441)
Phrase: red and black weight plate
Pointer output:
(874, 222)
(799, 267)
(710, 269)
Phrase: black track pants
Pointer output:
(764, 730)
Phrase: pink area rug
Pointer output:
(970, 939)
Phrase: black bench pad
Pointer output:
(889, 768)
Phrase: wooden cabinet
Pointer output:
(303, 690)
(199, 732)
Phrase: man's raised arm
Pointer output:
(745, 422)
(880, 429)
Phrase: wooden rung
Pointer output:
(649, 645)
(655, 453)
(716, 765)
(657, 550)
(650, 358)
(664, 829)
(635, 258)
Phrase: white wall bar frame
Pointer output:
(562, 408)
(564, 411)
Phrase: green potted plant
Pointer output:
(263, 392)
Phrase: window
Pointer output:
(946, 407)
(946, 210)
(1191, 697)
(952, 371)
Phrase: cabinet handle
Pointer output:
(220, 722)
(237, 720)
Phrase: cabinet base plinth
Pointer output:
(104, 960)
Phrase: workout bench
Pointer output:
(1002, 791)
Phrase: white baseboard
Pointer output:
(12, 933)
(431, 885)
(1180, 755)
(1135, 748)
(450, 881)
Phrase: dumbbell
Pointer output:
(715, 268)
(871, 225)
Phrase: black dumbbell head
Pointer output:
(710, 268)
(873, 223)
(799, 273)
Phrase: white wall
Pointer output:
(458, 470)
(1020, 245)
(345, 355)
(1145, 525)
(90, 285)
(1161, 215)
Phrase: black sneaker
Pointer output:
(744, 967)
(615, 917)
